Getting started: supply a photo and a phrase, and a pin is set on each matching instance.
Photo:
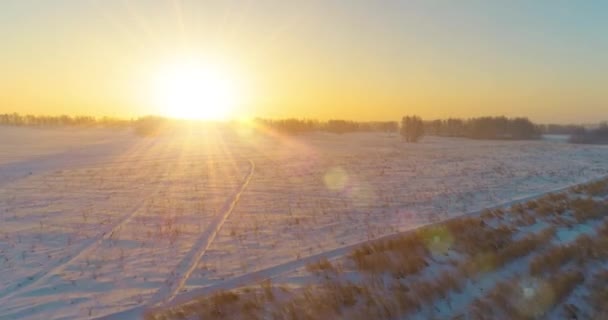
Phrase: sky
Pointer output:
(358, 60)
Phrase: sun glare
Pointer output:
(193, 90)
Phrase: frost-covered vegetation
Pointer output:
(545, 258)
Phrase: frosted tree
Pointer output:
(412, 128)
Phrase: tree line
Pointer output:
(296, 126)
(15, 119)
(566, 129)
(411, 128)
(485, 128)
(591, 136)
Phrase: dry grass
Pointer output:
(217, 306)
(602, 230)
(402, 256)
(564, 283)
(483, 248)
(547, 207)
(552, 204)
(598, 295)
(579, 251)
(525, 220)
(497, 299)
(584, 209)
(481, 238)
(487, 214)
(557, 256)
(524, 246)
(465, 224)
(487, 261)
(398, 264)
(508, 297)
(322, 267)
(518, 209)
(598, 188)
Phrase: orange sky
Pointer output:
(315, 59)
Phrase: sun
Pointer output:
(190, 89)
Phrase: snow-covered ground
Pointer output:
(95, 222)
(545, 258)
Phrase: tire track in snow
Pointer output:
(292, 265)
(61, 264)
(87, 247)
(172, 286)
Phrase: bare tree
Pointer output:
(412, 128)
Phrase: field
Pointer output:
(542, 259)
(96, 223)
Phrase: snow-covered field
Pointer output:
(95, 222)
(545, 258)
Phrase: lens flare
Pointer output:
(336, 179)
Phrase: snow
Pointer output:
(95, 222)
(530, 294)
